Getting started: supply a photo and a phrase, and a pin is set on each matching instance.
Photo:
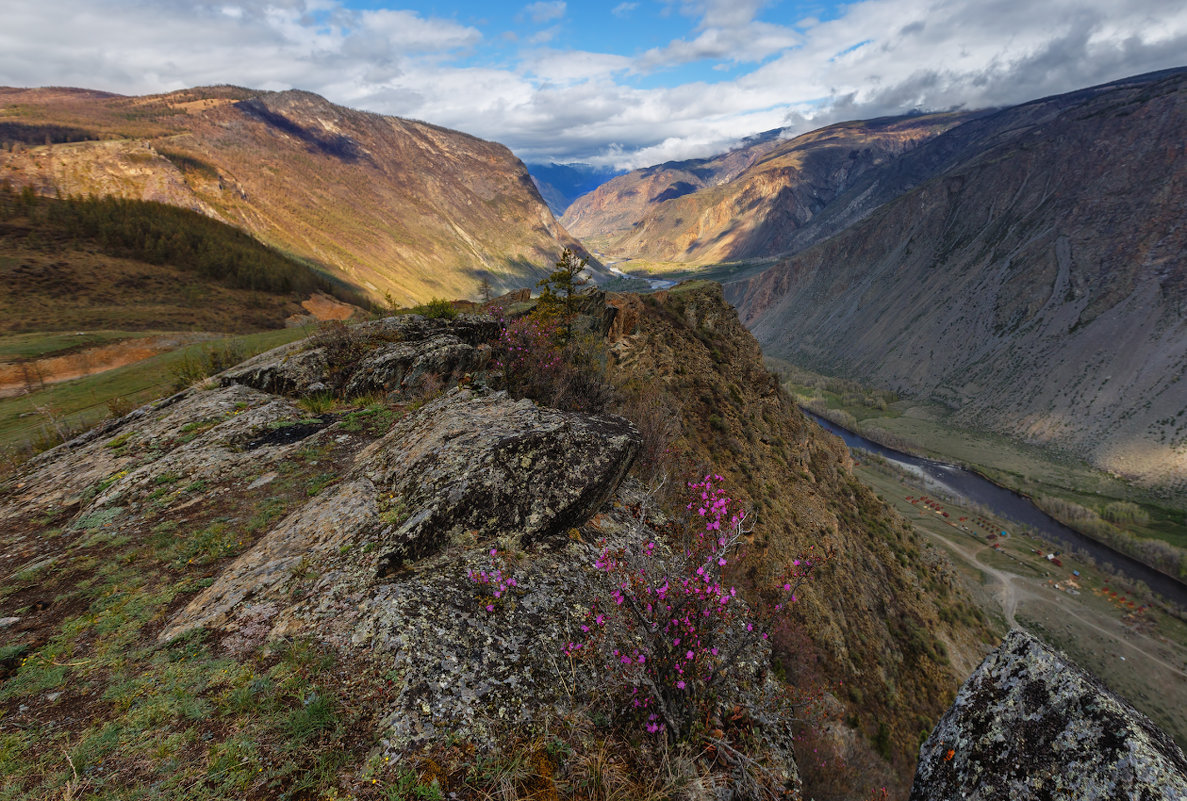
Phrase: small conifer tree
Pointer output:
(560, 288)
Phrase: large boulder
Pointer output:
(471, 467)
(479, 461)
(1030, 724)
(473, 329)
(404, 366)
(292, 369)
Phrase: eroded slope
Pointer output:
(1035, 286)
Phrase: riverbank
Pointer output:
(974, 488)
(1097, 504)
(1138, 650)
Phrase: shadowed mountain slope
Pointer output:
(1032, 279)
(388, 204)
(105, 263)
(561, 184)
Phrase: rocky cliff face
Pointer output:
(1031, 281)
(1029, 724)
(748, 203)
(390, 205)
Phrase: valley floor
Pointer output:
(1031, 470)
(1138, 651)
(62, 404)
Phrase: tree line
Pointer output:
(158, 233)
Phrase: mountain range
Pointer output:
(1022, 266)
(1025, 269)
(385, 204)
(743, 203)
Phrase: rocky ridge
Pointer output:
(374, 563)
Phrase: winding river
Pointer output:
(972, 487)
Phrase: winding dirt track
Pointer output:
(1009, 589)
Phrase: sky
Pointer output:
(623, 83)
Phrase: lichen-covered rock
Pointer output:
(480, 461)
(286, 370)
(320, 528)
(115, 453)
(402, 365)
(1029, 724)
(392, 354)
(473, 329)
(474, 466)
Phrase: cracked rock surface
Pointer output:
(473, 466)
(402, 351)
(1030, 724)
(473, 461)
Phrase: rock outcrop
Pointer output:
(391, 355)
(471, 467)
(1031, 725)
(498, 468)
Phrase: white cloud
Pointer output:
(409, 33)
(545, 11)
(624, 9)
(551, 66)
(727, 30)
(570, 105)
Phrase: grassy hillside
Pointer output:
(388, 205)
(122, 264)
(886, 627)
(30, 422)
(105, 300)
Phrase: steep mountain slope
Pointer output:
(747, 203)
(886, 624)
(390, 205)
(621, 202)
(1035, 282)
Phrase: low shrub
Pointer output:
(437, 309)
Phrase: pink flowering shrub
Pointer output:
(527, 353)
(493, 584)
(672, 636)
(540, 357)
